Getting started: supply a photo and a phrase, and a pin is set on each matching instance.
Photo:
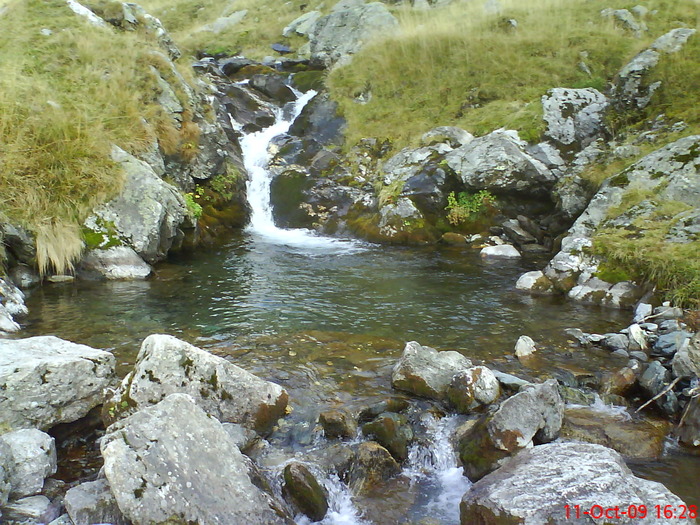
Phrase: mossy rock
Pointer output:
(393, 432)
(307, 80)
(301, 487)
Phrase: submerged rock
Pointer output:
(538, 484)
(48, 381)
(631, 438)
(393, 432)
(337, 424)
(166, 365)
(689, 429)
(305, 492)
(426, 372)
(172, 461)
(371, 466)
(117, 262)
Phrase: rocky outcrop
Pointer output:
(48, 381)
(337, 36)
(426, 372)
(559, 476)
(166, 365)
(148, 213)
(532, 416)
(171, 461)
(574, 117)
(671, 172)
(633, 90)
(32, 456)
(93, 502)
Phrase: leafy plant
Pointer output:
(464, 205)
(193, 207)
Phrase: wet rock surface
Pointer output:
(305, 492)
(556, 475)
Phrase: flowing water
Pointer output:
(327, 319)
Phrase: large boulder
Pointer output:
(498, 162)
(93, 502)
(6, 467)
(632, 89)
(47, 381)
(574, 117)
(33, 456)
(532, 416)
(539, 485)
(148, 212)
(171, 462)
(337, 36)
(426, 372)
(166, 365)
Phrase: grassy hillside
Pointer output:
(68, 91)
(463, 66)
(252, 36)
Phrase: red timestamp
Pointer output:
(632, 511)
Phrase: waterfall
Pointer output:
(256, 159)
(434, 468)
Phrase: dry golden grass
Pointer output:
(65, 99)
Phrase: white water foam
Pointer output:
(601, 407)
(435, 467)
(341, 510)
(256, 158)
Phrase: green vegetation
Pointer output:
(461, 66)
(68, 92)
(644, 255)
(464, 206)
(193, 207)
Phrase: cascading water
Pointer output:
(434, 468)
(256, 158)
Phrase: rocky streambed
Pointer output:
(386, 430)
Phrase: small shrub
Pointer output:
(464, 205)
(193, 207)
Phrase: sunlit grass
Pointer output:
(68, 92)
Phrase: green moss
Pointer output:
(307, 80)
(105, 236)
(620, 180)
(612, 274)
(194, 209)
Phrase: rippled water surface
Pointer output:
(329, 321)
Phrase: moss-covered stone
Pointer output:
(301, 487)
